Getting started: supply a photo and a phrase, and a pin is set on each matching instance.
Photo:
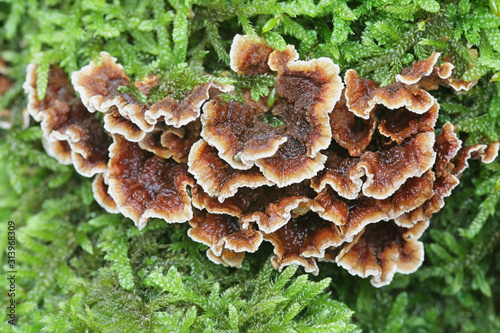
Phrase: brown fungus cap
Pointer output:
(442, 188)
(98, 83)
(403, 124)
(64, 118)
(145, 186)
(218, 178)
(228, 258)
(237, 133)
(179, 113)
(302, 239)
(419, 69)
(362, 199)
(358, 93)
(363, 95)
(386, 171)
(223, 232)
(447, 146)
(98, 87)
(234, 206)
(276, 206)
(398, 95)
(306, 91)
(448, 150)
(115, 123)
(353, 215)
(248, 56)
(340, 173)
(180, 140)
(382, 250)
(60, 150)
(482, 152)
(350, 131)
(168, 141)
(290, 164)
(101, 195)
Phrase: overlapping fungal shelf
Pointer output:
(350, 172)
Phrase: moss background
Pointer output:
(82, 270)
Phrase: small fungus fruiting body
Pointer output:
(347, 172)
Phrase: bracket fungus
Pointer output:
(351, 173)
(306, 91)
(67, 126)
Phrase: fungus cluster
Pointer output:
(344, 171)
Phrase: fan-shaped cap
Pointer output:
(248, 56)
(353, 215)
(398, 95)
(115, 123)
(98, 87)
(234, 206)
(228, 258)
(145, 186)
(168, 141)
(290, 164)
(306, 92)
(404, 124)
(217, 177)
(223, 232)
(417, 70)
(447, 146)
(64, 118)
(382, 250)
(340, 173)
(482, 152)
(362, 95)
(238, 134)
(301, 239)
(350, 131)
(386, 171)
(358, 94)
(100, 191)
(97, 84)
(60, 150)
(276, 206)
(179, 113)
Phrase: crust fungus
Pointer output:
(60, 150)
(274, 209)
(168, 141)
(99, 87)
(64, 119)
(101, 195)
(306, 92)
(381, 250)
(225, 236)
(218, 178)
(144, 185)
(301, 239)
(350, 131)
(254, 171)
